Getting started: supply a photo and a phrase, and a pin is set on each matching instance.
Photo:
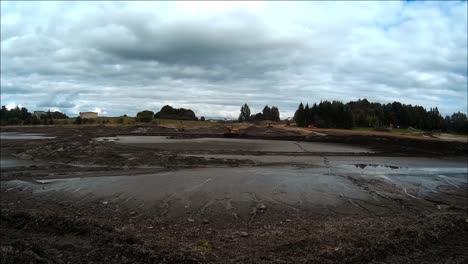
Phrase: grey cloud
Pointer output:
(74, 57)
(15, 90)
(56, 104)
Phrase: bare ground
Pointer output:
(53, 228)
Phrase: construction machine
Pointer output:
(229, 131)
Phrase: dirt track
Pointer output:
(320, 203)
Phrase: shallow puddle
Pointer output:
(240, 191)
(362, 162)
(14, 162)
(17, 135)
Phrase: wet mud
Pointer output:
(157, 195)
(232, 144)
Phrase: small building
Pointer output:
(39, 113)
(88, 115)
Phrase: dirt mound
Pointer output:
(397, 146)
(59, 232)
(48, 238)
(269, 132)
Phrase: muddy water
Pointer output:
(370, 161)
(212, 144)
(8, 161)
(11, 162)
(17, 135)
(240, 192)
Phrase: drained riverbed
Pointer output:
(23, 136)
(90, 196)
(231, 144)
(341, 188)
(288, 176)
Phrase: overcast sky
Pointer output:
(120, 58)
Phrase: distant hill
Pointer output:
(168, 112)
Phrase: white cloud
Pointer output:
(99, 111)
(215, 56)
(12, 105)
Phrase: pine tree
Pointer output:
(244, 113)
(275, 115)
(299, 115)
(266, 113)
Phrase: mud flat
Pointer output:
(322, 160)
(261, 212)
(367, 187)
(232, 144)
(12, 162)
(22, 136)
(131, 195)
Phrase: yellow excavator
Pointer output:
(229, 131)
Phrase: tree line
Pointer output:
(362, 113)
(267, 113)
(21, 116)
(326, 114)
(167, 112)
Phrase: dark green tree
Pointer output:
(244, 113)
(168, 112)
(257, 116)
(78, 120)
(307, 115)
(299, 116)
(267, 113)
(145, 116)
(275, 114)
(459, 123)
